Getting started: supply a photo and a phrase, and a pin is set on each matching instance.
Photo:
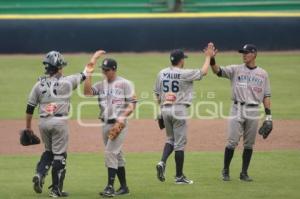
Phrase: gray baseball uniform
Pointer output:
(174, 88)
(113, 98)
(53, 94)
(249, 88)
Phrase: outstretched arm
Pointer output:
(215, 68)
(89, 69)
(209, 52)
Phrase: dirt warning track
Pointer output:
(145, 136)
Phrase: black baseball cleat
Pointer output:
(245, 177)
(225, 175)
(55, 192)
(38, 183)
(122, 191)
(108, 192)
(160, 169)
(183, 180)
(64, 194)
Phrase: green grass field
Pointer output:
(276, 173)
(276, 176)
(19, 73)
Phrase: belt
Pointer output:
(110, 121)
(55, 115)
(244, 103)
(168, 105)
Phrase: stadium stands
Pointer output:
(35, 26)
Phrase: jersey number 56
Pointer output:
(170, 85)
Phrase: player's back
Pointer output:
(175, 85)
(53, 94)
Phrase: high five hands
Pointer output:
(90, 67)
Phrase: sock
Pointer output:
(247, 154)
(179, 159)
(228, 154)
(111, 176)
(122, 176)
(168, 149)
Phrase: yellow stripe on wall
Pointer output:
(150, 16)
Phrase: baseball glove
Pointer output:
(27, 137)
(266, 128)
(115, 130)
(160, 121)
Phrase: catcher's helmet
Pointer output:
(54, 59)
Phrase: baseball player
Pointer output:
(250, 86)
(52, 94)
(117, 101)
(174, 91)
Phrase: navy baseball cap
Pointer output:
(248, 48)
(176, 55)
(109, 63)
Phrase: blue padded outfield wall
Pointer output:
(140, 35)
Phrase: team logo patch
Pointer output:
(117, 101)
(170, 98)
(257, 89)
(51, 108)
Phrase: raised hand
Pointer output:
(90, 67)
(96, 56)
(210, 50)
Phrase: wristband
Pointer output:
(30, 109)
(212, 61)
(268, 111)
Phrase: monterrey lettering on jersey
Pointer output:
(248, 85)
